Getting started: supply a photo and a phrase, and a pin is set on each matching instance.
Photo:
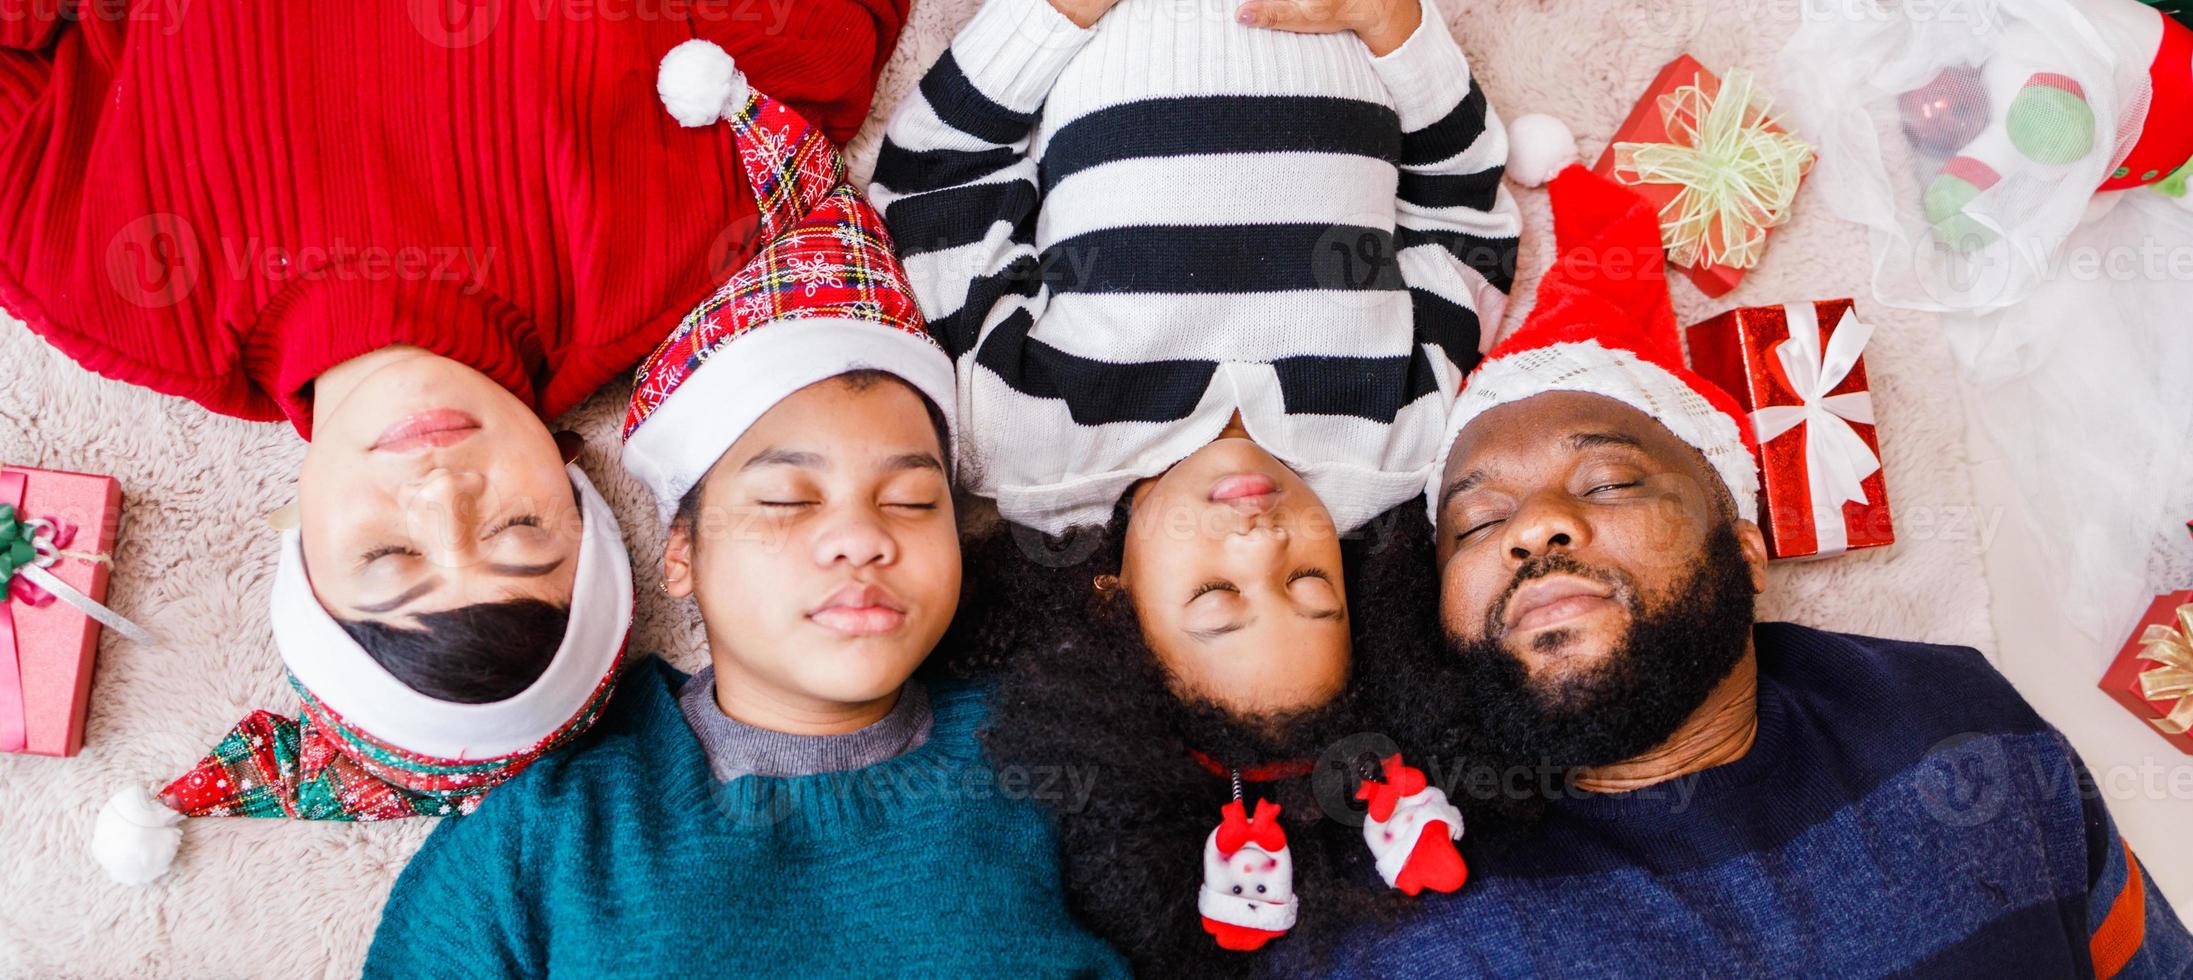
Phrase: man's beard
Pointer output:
(1656, 676)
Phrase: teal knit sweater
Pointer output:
(622, 856)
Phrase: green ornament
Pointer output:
(7, 513)
(21, 553)
(1945, 201)
(2174, 185)
(2050, 125)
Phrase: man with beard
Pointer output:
(1727, 798)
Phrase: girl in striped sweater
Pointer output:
(1211, 277)
(1228, 275)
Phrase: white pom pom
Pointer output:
(699, 84)
(1539, 146)
(136, 837)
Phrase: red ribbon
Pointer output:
(1270, 772)
(1236, 830)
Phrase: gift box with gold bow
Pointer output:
(2153, 675)
(1707, 154)
(1799, 369)
(56, 533)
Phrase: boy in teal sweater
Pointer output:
(801, 807)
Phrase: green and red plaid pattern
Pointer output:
(315, 767)
(825, 254)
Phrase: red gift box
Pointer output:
(1799, 371)
(2158, 661)
(1648, 124)
(45, 666)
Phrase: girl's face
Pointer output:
(825, 556)
(1233, 565)
(428, 486)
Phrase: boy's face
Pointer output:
(825, 555)
(427, 486)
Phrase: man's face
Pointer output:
(1594, 586)
(1602, 510)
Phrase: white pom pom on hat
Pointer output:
(699, 84)
(136, 837)
(1539, 146)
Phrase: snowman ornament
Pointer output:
(1248, 877)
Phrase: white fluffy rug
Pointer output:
(266, 898)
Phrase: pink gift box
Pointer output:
(54, 644)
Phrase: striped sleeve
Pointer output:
(955, 182)
(1457, 226)
(2131, 930)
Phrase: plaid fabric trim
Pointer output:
(315, 767)
(826, 255)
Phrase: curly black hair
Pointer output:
(1077, 686)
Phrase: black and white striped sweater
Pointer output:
(1126, 234)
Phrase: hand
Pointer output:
(1382, 24)
(1084, 13)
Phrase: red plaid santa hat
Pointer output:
(823, 295)
(1603, 324)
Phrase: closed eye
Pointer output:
(1211, 586)
(785, 503)
(1611, 486)
(383, 552)
(1303, 573)
(522, 520)
(1472, 532)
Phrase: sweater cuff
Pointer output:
(1428, 75)
(1014, 50)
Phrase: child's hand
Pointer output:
(1382, 24)
(1084, 13)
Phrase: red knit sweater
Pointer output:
(225, 205)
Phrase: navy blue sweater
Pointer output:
(1903, 811)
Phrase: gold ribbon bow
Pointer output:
(2173, 680)
(1737, 172)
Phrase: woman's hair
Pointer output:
(1080, 695)
(474, 654)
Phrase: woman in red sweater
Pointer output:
(415, 231)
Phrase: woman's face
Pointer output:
(825, 556)
(1233, 565)
(428, 486)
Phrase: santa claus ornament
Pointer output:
(1248, 877)
(1248, 896)
(1411, 830)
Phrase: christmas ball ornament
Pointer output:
(1947, 112)
(2050, 121)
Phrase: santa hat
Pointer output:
(366, 746)
(824, 295)
(1603, 324)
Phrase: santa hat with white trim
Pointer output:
(823, 295)
(1603, 324)
(366, 746)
